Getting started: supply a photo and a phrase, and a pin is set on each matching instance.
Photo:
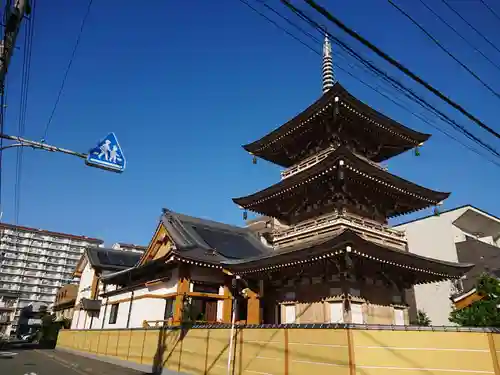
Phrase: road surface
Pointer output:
(52, 362)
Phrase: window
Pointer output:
(399, 317)
(113, 313)
(357, 313)
(289, 314)
(336, 312)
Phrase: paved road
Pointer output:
(51, 362)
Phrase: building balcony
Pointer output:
(7, 306)
(334, 222)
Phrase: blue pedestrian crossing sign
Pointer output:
(107, 155)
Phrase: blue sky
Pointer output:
(185, 84)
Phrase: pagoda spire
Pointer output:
(328, 74)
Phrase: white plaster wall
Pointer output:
(75, 320)
(151, 308)
(220, 308)
(97, 321)
(142, 309)
(81, 320)
(146, 309)
(84, 291)
(85, 285)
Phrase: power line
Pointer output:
(3, 104)
(420, 117)
(471, 26)
(395, 63)
(23, 107)
(492, 11)
(408, 92)
(444, 49)
(72, 58)
(459, 35)
(317, 40)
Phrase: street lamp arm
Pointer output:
(113, 160)
(39, 145)
(12, 145)
(18, 145)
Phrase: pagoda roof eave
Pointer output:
(363, 168)
(347, 241)
(352, 243)
(256, 147)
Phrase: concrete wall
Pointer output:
(435, 237)
(293, 351)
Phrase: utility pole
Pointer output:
(14, 16)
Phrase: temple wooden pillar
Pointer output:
(253, 307)
(227, 307)
(182, 291)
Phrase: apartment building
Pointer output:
(464, 234)
(8, 302)
(35, 263)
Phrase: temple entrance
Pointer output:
(204, 310)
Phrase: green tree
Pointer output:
(422, 319)
(482, 313)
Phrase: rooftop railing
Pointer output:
(324, 225)
(316, 158)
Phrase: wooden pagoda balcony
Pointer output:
(326, 225)
(315, 159)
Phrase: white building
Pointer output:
(128, 247)
(93, 265)
(36, 263)
(463, 234)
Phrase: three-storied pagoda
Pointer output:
(331, 256)
(332, 206)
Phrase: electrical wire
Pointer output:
(68, 68)
(408, 91)
(3, 105)
(459, 35)
(471, 26)
(23, 107)
(492, 11)
(444, 49)
(393, 62)
(420, 117)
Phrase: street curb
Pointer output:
(120, 362)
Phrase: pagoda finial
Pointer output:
(328, 74)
